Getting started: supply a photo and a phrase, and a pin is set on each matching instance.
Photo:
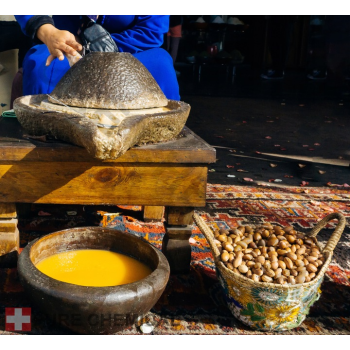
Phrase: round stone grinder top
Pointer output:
(109, 80)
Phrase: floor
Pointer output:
(290, 132)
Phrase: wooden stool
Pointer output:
(171, 175)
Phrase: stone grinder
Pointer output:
(107, 102)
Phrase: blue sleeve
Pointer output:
(30, 24)
(22, 20)
(146, 33)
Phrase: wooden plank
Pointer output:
(179, 232)
(188, 148)
(180, 215)
(9, 236)
(7, 211)
(99, 183)
(153, 213)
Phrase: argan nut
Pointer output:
(265, 233)
(249, 274)
(247, 257)
(299, 241)
(228, 247)
(300, 279)
(241, 228)
(282, 252)
(288, 262)
(274, 265)
(222, 238)
(290, 238)
(286, 272)
(260, 259)
(291, 280)
(252, 245)
(281, 280)
(288, 228)
(255, 278)
(283, 245)
(258, 272)
(270, 273)
(307, 279)
(257, 251)
(261, 243)
(230, 266)
(312, 275)
(294, 273)
(272, 242)
(250, 263)
(257, 265)
(311, 258)
(311, 268)
(237, 248)
(266, 278)
(300, 251)
(243, 268)
(282, 264)
(257, 236)
(273, 258)
(243, 244)
(225, 256)
(278, 273)
(238, 261)
(292, 256)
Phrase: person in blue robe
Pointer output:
(142, 36)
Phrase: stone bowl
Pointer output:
(93, 310)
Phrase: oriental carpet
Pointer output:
(194, 303)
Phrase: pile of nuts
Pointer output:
(269, 253)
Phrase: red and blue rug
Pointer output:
(194, 303)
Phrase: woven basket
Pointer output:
(268, 306)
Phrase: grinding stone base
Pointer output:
(102, 143)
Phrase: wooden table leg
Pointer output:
(152, 213)
(176, 246)
(9, 235)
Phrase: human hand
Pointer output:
(59, 42)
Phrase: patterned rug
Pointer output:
(194, 303)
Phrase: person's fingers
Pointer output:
(59, 54)
(49, 60)
(64, 47)
(74, 44)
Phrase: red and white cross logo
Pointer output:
(18, 319)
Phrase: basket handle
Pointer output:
(332, 242)
(207, 232)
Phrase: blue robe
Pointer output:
(141, 36)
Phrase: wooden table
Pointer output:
(171, 175)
